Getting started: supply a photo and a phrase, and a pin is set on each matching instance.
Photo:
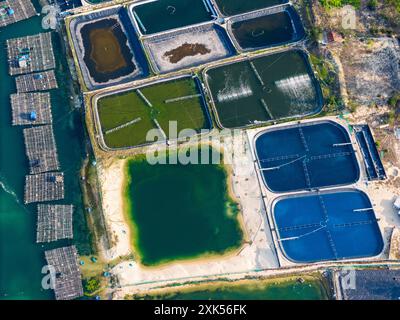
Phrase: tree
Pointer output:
(92, 285)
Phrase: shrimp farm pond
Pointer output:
(264, 89)
(126, 118)
(171, 14)
(266, 28)
(180, 211)
(107, 48)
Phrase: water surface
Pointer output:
(21, 259)
(180, 211)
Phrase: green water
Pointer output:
(263, 31)
(21, 259)
(233, 7)
(238, 92)
(287, 290)
(180, 211)
(170, 14)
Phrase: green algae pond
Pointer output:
(233, 7)
(142, 109)
(180, 211)
(264, 89)
(313, 288)
(21, 258)
(171, 14)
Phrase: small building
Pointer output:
(331, 37)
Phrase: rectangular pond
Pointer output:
(264, 89)
(156, 16)
(306, 156)
(266, 28)
(234, 7)
(127, 117)
(372, 161)
(186, 48)
(107, 48)
(180, 211)
(332, 225)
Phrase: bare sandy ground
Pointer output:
(111, 180)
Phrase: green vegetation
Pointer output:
(394, 100)
(119, 109)
(327, 77)
(395, 3)
(180, 211)
(316, 33)
(372, 4)
(394, 112)
(340, 3)
(288, 288)
(91, 285)
(352, 106)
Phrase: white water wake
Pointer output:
(299, 89)
(6, 188)
(231, 92)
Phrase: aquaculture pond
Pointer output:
(279, 289)
(21, 259)
(264, 89)
(180, 211)
(127, 117)
(331, 225)
(314, 155)
(187, 48)
(233, 7)
(106, 54)
(170, 14)
(259, 31)
(107, 48)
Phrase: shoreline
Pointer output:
(252, 283)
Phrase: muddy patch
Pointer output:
(186, 50)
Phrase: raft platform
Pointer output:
(31, 109)
(43, 187)
(36, 82)
(12, 11)
(31, 53)
(68, 279)
(54, 222)
(41, 149)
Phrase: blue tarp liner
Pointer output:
(327, 226)
(372, 161)
(306, 156)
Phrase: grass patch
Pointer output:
(340, 3)
(119, 109)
